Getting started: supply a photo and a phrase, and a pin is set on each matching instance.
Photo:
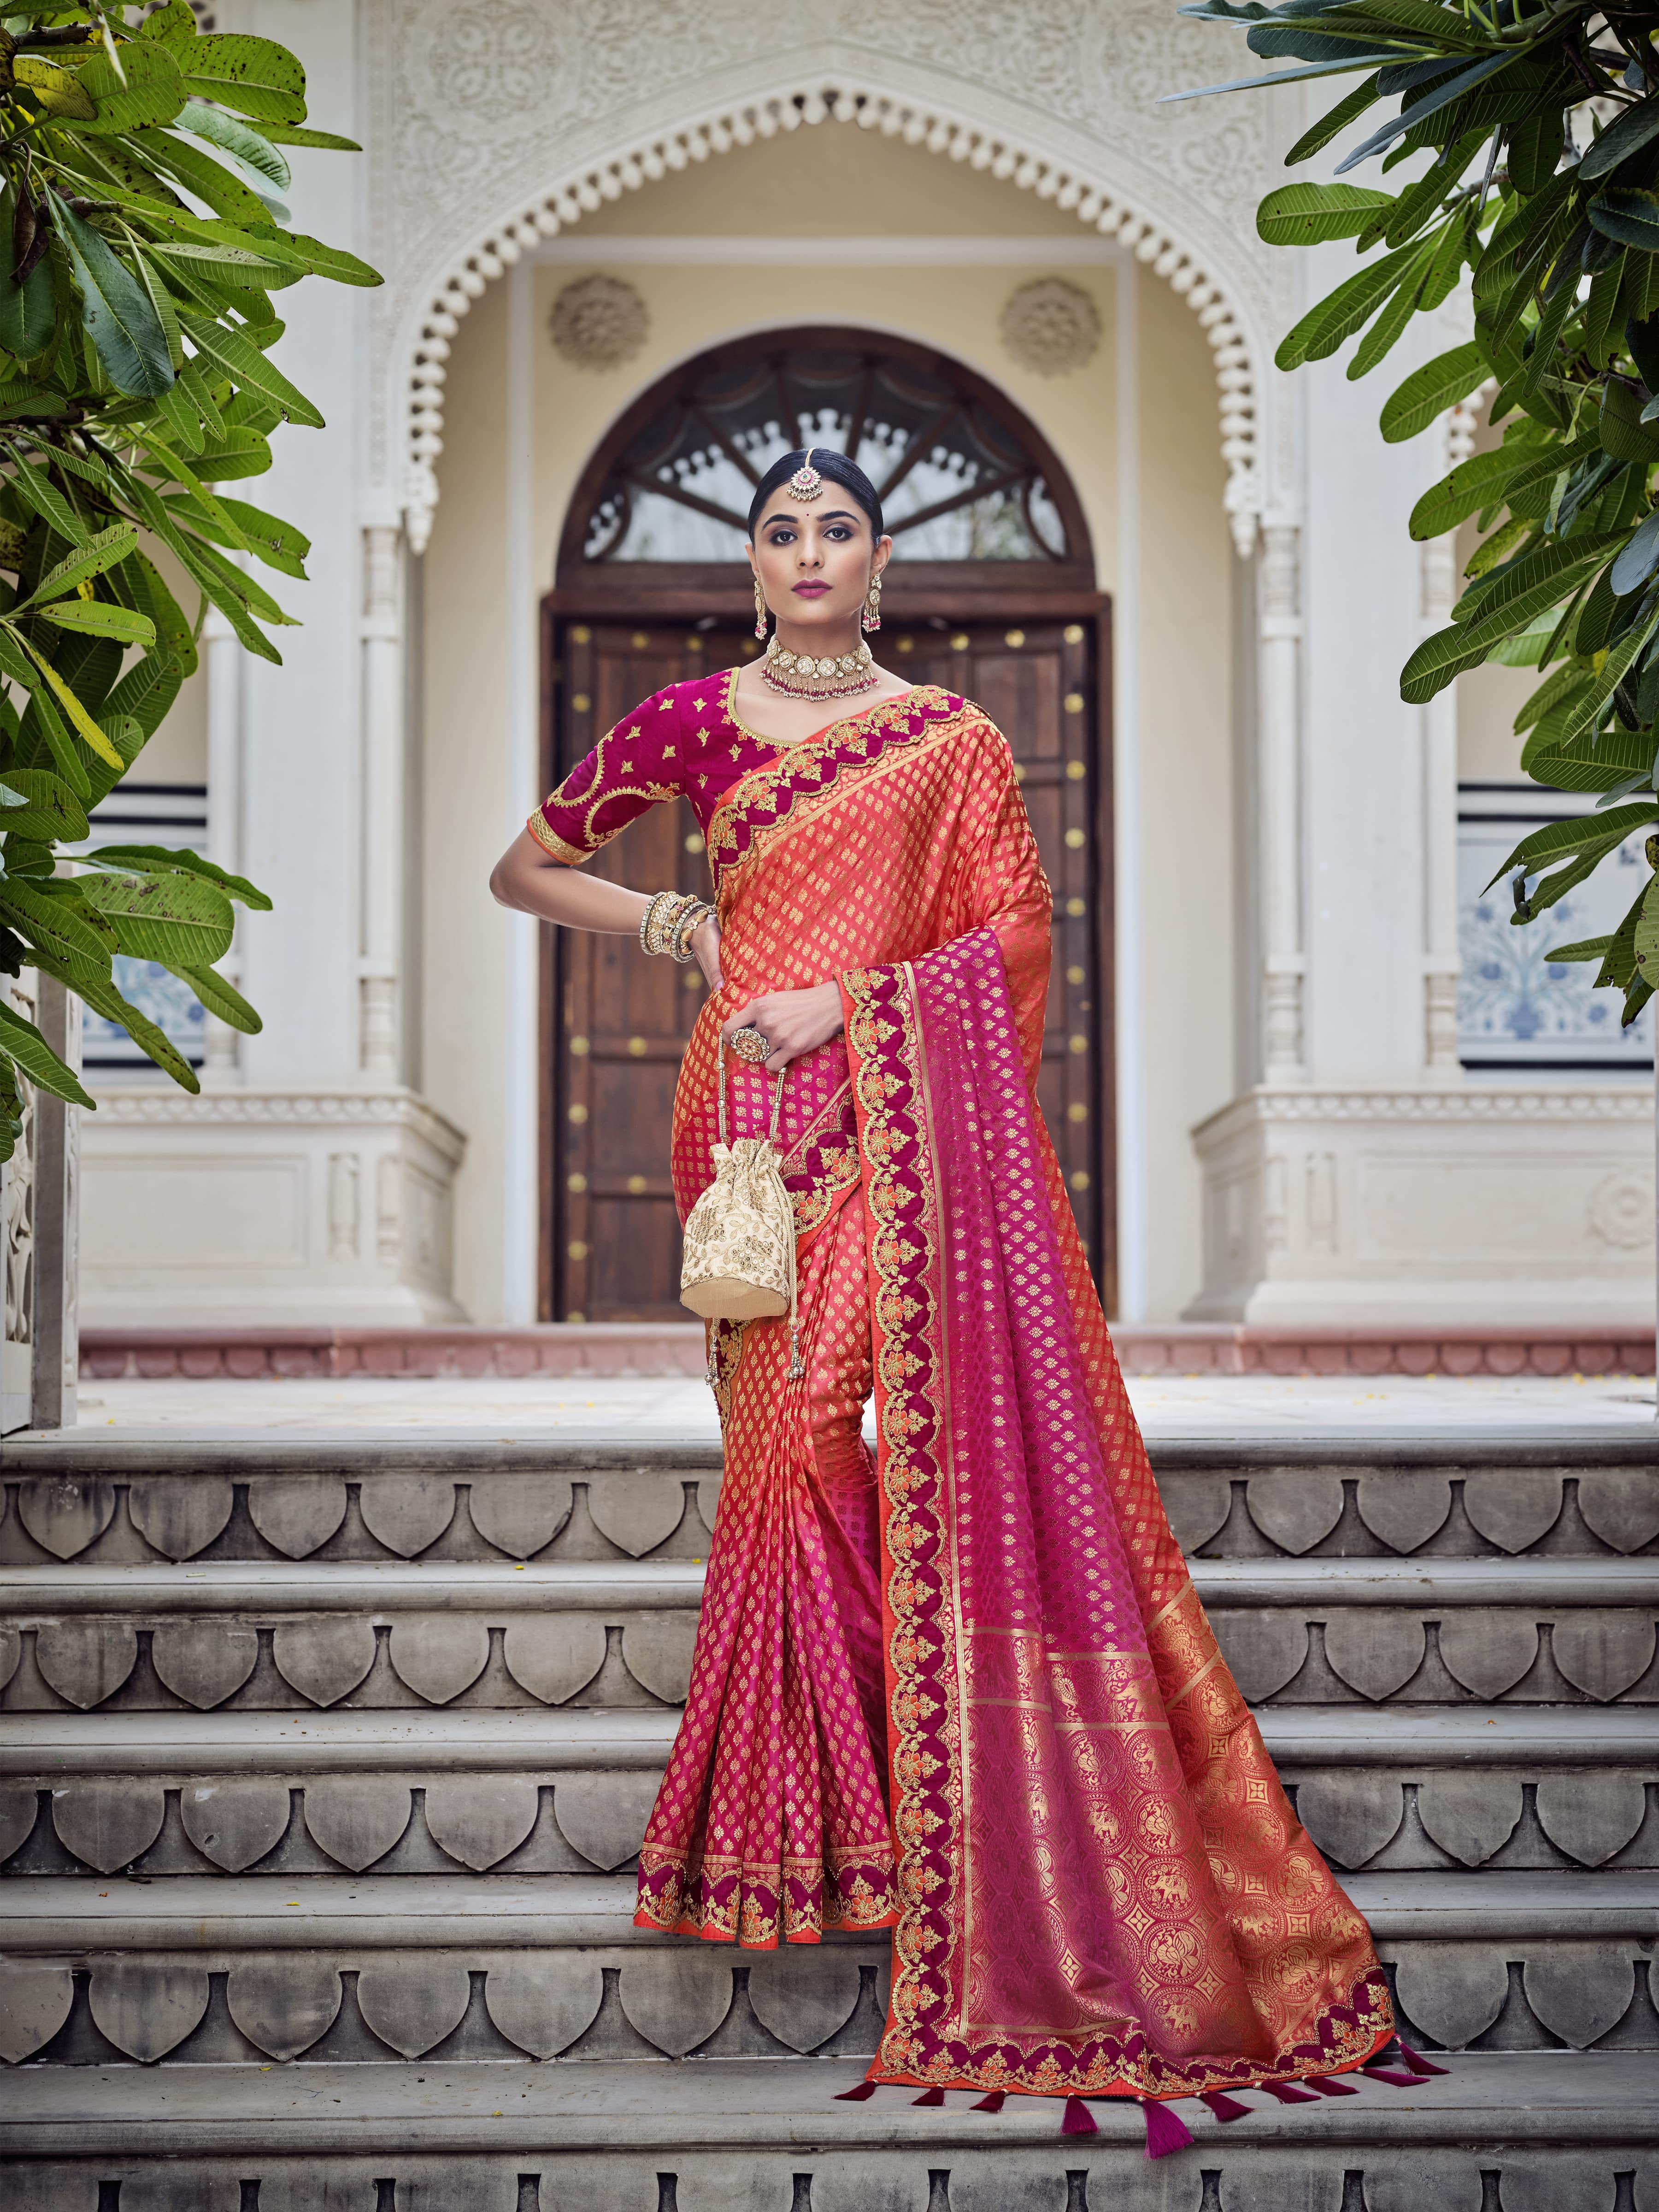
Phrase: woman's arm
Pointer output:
(530, 880)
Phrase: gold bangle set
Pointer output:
(670, 922)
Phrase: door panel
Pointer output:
(616, 1025)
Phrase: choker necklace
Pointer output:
(804, 678)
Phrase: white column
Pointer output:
(379, 1053)
(223, 654)
(1284, 963)
(521, 1070)
(1439, 722)
(1129, 829)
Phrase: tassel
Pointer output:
(992, 2103)
(797, 1367)
(1328, 2086)
(1287, 2092)
(1396, 2080)
(1079, 2120)
(1166, 2130)
(1224, 2106)
(929, 2097)
(1415, 2060)
(856, 2096)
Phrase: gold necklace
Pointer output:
(804, 678)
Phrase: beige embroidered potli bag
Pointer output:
(740, 1260)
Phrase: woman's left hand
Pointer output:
(793, 1022)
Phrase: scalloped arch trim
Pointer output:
(655, 158)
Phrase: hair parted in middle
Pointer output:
(832, 467)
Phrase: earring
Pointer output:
(871, 618)
(760, 609)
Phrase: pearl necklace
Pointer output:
(803, 678)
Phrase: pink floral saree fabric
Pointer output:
(963, 1687)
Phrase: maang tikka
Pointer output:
(870, 616)
(760, 609)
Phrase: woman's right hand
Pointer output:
(706, 951)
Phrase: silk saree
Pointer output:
(963, 1688)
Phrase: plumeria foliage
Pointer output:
(1539, 196)
(143, 236)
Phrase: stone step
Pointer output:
(295, 1634)
(1507, 1788)
(1565, 2131)
(134, 1498)
(195, 1972)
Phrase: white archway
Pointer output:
(417, 366)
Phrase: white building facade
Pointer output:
(1339, 1092)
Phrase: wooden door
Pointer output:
(616, 1025)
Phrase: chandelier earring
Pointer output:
(760, 609)
(871, 616)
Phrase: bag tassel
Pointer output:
(796, 1366)
(991, 2103)
(1166, 2131)
(929, 2097)
(1224, 2106)
(1328, 2086)
(1287, 2092)
(1078, 2119)
(856, 2096)
(1415, 2060)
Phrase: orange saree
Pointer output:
(964, 1688)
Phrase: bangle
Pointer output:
(669, 921)
(685, 927)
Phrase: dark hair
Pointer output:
(835, 467)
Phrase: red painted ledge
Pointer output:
(677, 1348)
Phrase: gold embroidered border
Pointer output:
(572, 855)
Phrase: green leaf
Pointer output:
(1488, 479)
(285, 134)
(22, 1043)
(153, 91)
(1552, 565)
(207, 180)
(1647, 936)
(279, 545)
(1622, 431)
(174, 24)
(1602, 765)
(80, 720)
(1586, 948)
(1305, 214)
(243, 364)
(1386, 331)
(255, 76)
(1582, 834)
(101, 551)
(1630, 217)
(228, 266)
(222, 999)
(116, 310)
(55, 91)
(150, 858)
(175, 917)
(54, 924)
(1323, 328)
(1428, 392)
(1622, 657)
(102, 994)
(27, 311)
(1626, 134)
(1332, 123)
(36, 488)
(50, 810)
(236, 138)
(97, 618)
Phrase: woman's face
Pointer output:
(815, 561)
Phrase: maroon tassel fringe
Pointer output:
(929, 2097)
(1387, 2074)
(856, 2096)
(1328, 2086)
(1224, 2106)
(1079, 2120)
(1415, 2060)
(1287, 2092)
(1166, 2131)
(991, 2103)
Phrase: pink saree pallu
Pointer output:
(1102, 1889)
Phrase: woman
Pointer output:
(964, 1689)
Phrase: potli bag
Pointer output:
(739, 1261)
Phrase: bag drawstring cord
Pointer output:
(797, 1366)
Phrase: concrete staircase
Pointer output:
(322, 1765)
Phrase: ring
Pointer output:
(749, 1044)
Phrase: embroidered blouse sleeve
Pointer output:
(632, 768)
